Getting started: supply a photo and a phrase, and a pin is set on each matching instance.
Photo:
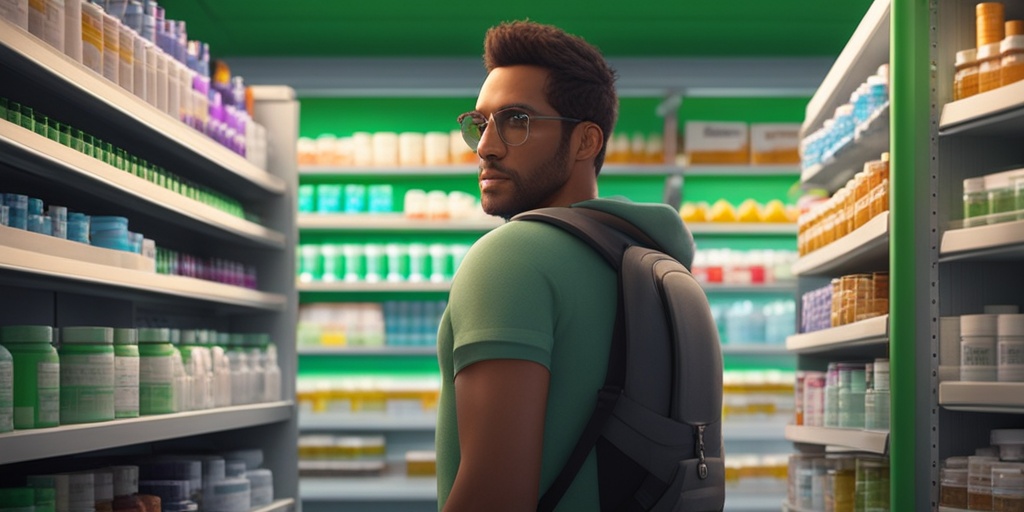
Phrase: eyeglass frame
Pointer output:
(489, 119)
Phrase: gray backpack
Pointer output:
(657, 423)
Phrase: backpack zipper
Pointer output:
(702, 466)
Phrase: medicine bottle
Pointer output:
(36, 375)
(126, 489)
(86, 375)
(989, 62)
(979, 482)
(965, 79)
(1002, 200)
(6, 390)
(876, 400)
(103, 489)
(156, 372)
(1007, 489)
(45, 499)
(241, 377)
(975, 201)
(1010, 348)
(953, 490)
(1011, 67)
(17, 499)
(852, 380)
(978, 348)
(126, 373)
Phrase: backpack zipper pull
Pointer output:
(702, 466)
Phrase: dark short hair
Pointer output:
(581, 84)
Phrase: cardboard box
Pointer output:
(774, 143)
(710, 142)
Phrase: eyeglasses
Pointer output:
(513, 125)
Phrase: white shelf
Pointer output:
(741, 170)
(865, 249)
(53, 246)
(39, 62)
(739, 501)
(39, 155)
(392, 222)
(69, 269)
(368, 351)
(750, 430)
(872, 332)
(367, 421)
(284, 505)
(751, 349)
(23, 445)
(1002, 397)
(998, 112)
(741, 228)
(362, 287)
(867, 49)
(749, 289)
(392, 487)
(869, 441)
(1003, 241)
(871, 139)
(426, 171)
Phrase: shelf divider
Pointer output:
(869, 441)
(865, 249)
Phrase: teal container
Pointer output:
(156, 372)
(6, 390)
(36, 375)
(86, 375)
(17, 499)
(45, 499)
(126, 373)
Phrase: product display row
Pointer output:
(996, 60)
(57, 131)
(228, 482)
(131, 44)
(740, 143)
(371, 393)
(992, 479)
(325, 455)
(985, 347)
(849, 395)
(863, 198)
(394, 323)
(757, 395)
(94, 374)
(750, 267)
(749, 322)
(391, 262)
(838, 132)
(847, 299)
(355, 198)
(994, 198)
(748, 211)
(385, 149)
(218, 270)
(838, 483)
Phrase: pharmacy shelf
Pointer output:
(998, 112)
(36, 62)
(427, 171)
(368, 351)
(380, 287)
(872, 333)
(366, 421)
(53, 246)
(750, 289)
(1001, 397)
(392, 487)
(23, 445)
(867, 49)
(751, 430)
(38, 155)
(392, 222)
(67, 271)
(1003, 241)
(740, 501)
(789, 507)
(870, 140)
(754, 349)
(285, 505)
(866, 249)
(742, 228)
(869, 441)
(740, 170)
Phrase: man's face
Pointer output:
(515, 179)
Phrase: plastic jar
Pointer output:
(1002, 200)
(17, 499)
(979, 482)
(876, 400)
(1007, 489)
(241, 377)
(975, 201)
(126, 489)
(45, 499)
(978, 348)
(831, 407)
(965, 79)
(851, 395)
(1011, 68)
(173, 494)
(953, 488)
(1010, 348)
(86, 374)
(156, 372)
(103, 489)
(233, 494)
(989, 61)
(989, 18)
(36, 375)
(1010, 443)
(261, 483)
(6, 390)
(126, 373)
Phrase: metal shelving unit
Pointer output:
(867, 441)
(54, 282)
(309, 222)
(866, 248)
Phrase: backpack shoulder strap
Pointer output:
(610, 243)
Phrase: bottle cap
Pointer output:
(966, 57)
(1010, 325)
(151, 335)
(1014, 28)
(974, 185)
(1011, 43)
(1007, 436)
(988, 51)
(126, 480)
(26, 334)
(125, 336)
(978, 325)
(100, 335)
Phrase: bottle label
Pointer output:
(156, 370)
(48, 387)
(90, 370)
(126, 386)
(977, 355)
(6, 396)
(1011, 361)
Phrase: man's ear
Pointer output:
(591, 141)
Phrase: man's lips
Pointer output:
(491, 177)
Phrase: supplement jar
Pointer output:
(978, 348)
(989, 62)
(965, 79)
(1010, 348)
(1007, 488)
(126, 373)
(36, 375)
(6, 390)
(86, 374)
(953, 490)
(156, 371)
(1011, 68)
(17, 499)
(1010, 443)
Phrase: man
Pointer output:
(523, 345)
